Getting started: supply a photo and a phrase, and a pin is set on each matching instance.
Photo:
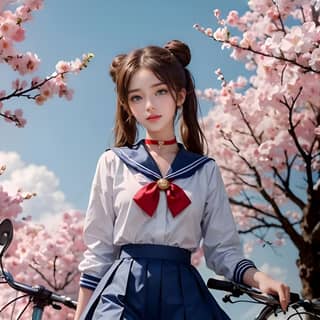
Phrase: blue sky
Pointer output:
(63, 140)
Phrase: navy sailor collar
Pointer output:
(184, 165)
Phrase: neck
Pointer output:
(159, 142)
(162, 147)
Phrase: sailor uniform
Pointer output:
(139, 240)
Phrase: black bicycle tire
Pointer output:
(23, 310)
(265, 313)
(12, 301)
(268, 311)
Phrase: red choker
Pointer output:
(161, 142)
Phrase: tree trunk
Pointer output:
(309, 256)
(309, 272)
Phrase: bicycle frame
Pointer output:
(37, 309)
(37, 313)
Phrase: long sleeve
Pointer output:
(98, 227)
(221, 242)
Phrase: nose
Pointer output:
(149, 105)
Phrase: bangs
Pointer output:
(160, 62)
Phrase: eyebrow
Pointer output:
(152, 86)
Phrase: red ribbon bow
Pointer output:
(147, 197)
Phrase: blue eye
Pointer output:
(135, 98)
(161, 92)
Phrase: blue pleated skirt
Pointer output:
(152, 282)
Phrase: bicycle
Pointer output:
(39, 296)
(298, 308)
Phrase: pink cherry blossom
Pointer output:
(40, 100)
(63, 66)
(21, 122)
(19, 84)
(35, 81)
(6, 48)
(295, 41)
(76, 65)
(221, 34)
(233, 18)
(33, 4)
(38, 256)
(2, 93)
(208, 32)
(217, 13)
(10, 206)
(315, 59)
(19, 35)
(263, 131)
(40, 90)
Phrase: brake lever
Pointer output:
(227, 298)
(265, 298)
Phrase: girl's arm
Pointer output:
(222, 246)
(221, 242)
(83, 299)
(100, 252)
(258, 279)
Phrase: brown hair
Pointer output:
(169, 66)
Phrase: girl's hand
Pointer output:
(266, 284)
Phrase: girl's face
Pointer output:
(152, 104)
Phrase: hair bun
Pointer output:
(180, 50)
(115, 65)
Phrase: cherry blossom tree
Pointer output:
(10, 206)
(37, 89)
(264, 130)
(39, 255)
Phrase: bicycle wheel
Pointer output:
(269, 313)
(266, 313)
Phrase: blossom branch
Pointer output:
(294, 235)
(34, 85)
(251, 206)
(296, 238)
(70, 276)
(42, 276)
(280, 18)
(247, 123)
(54, 271)
(302, 14)
(315, 14)
(260, 53)
(315, 156)
(285, 188)
(306, 157)
(13, 118)
(265, 225)
(54, 84)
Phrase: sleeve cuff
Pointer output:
(241, 267)
(88, 281)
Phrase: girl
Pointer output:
(153, 201)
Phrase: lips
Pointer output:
(153, 117)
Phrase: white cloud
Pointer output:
(49, 201)
(11, 160)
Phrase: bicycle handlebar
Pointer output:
(237, 289)
(39, 293)
(221, 285)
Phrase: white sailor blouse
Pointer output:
(131, 203)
